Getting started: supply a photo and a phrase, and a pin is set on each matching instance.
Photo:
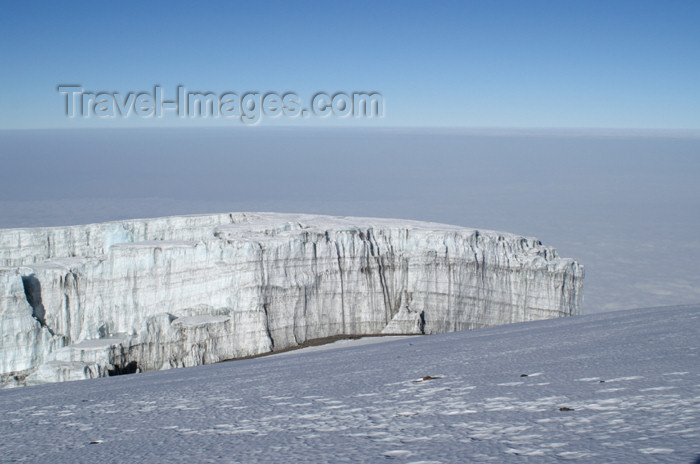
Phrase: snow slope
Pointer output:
(612, 387)
(189, 290)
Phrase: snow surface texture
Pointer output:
(89, 301)
(628, 383)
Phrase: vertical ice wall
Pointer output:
(85, 301)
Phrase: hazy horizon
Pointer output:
(625, 206)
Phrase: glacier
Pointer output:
(95, 300)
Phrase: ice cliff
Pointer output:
(86, 301)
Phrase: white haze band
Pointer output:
(247, 107)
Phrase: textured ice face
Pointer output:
(187, 290)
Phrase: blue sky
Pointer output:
(593, 64)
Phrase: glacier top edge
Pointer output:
(328, 221)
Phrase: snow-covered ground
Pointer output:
(611, 387)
